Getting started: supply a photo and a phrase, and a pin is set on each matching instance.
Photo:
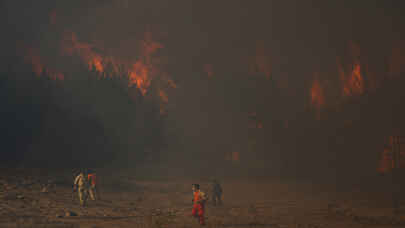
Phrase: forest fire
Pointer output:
(70, 46)
(140, 72)
(353, 82)
(317, 96)
(139, 76)
(351, 77)
(280, 109)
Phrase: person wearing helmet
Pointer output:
(199, 200)
(80, 184)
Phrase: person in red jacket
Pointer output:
(92, 180)
(199, 200)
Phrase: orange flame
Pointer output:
(71, 46)
(140, 72)
(138, 76)
(317, 96)
(353, 83)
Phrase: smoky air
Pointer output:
(295, 92)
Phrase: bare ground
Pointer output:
(127, 201)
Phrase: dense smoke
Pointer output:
(284, 85)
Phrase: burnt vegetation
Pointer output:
(85, 119)
(91, 118)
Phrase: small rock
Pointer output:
(44, 190)
(70, 214)
(20, 197)
(59, 216)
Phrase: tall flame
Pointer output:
(70, 45)
(353, 82)
(138, 75)
(317, 96)
(140, 72)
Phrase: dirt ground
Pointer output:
(129, 201)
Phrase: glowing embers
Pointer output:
(317, 96)
(138, 75)
(351, 76)
(353, 82)
(70, 45)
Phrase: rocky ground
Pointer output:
(36, 198)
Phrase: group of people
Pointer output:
(86, 185)
(200, 198)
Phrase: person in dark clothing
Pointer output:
(216, 192)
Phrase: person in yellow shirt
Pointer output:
(80, 184)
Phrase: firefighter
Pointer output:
(199, 200)
(92, 180)
(81, 186)
(216, 192)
